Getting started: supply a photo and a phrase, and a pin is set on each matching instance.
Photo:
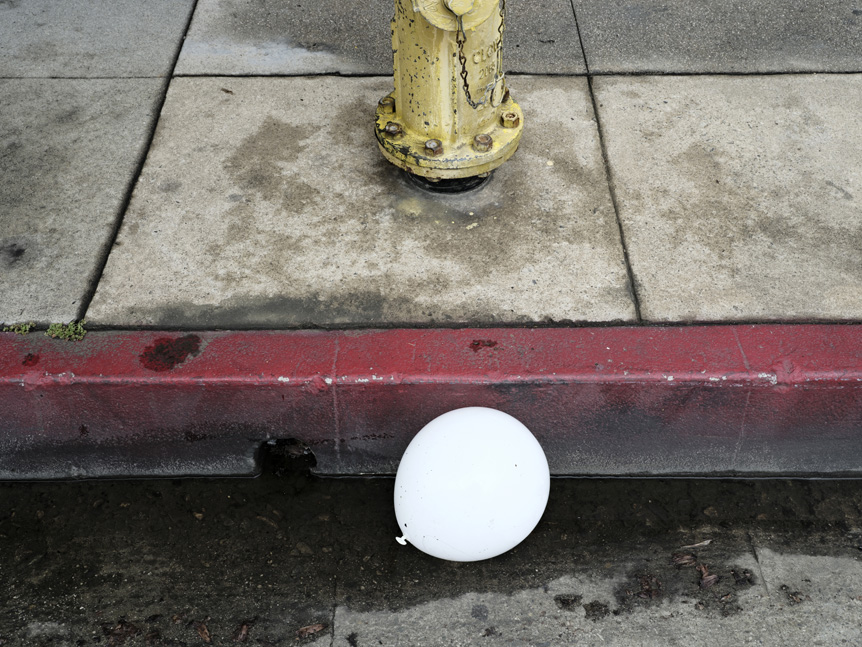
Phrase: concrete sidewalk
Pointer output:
(211, 165)
(633, 199)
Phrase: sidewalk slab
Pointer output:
(534, 616)
(559, 587)
(816, 598)
(236, 37)
(740, 197)
(68, 151)
(102, 38)
(679, 36)
(744, 401)
(265, 203)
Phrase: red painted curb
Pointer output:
(719, 400)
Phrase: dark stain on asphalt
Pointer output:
(711, 588)
(596, 610)
(194, 437)
(794, 597)
(30, 359)
(118, 633)
(568, 601)
(167, 353)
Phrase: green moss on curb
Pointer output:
(72, 331)
(19, 329)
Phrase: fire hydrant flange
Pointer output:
(451, 115)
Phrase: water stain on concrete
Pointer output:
(69, 116)
(309, 310)
(351, 30)
(349, 119)
(12, 253)
(482, 231)
(259, 162)
(170, 186)
(731, 200)
(844, 194)
(31, 167)
(730, 209)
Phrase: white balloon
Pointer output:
(471, 485)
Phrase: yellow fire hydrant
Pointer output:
(451, 115)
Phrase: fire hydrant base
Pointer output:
(407, 150)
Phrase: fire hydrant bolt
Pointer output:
(483, 143)
(393, 129)
(387, 105)
(434, 147)
(510, 119)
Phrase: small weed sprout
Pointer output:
(72, 331)
(19, 329)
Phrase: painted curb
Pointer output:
(753, 400)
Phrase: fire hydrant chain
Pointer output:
(461, 39)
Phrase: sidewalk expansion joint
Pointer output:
(514, 72)
(613, 193)
(580, 38)
(83, 78)
(637, 73)
(608, 173)
(130, 188)
(302, 75)
(537, 325)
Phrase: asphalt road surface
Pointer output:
(291, 559)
